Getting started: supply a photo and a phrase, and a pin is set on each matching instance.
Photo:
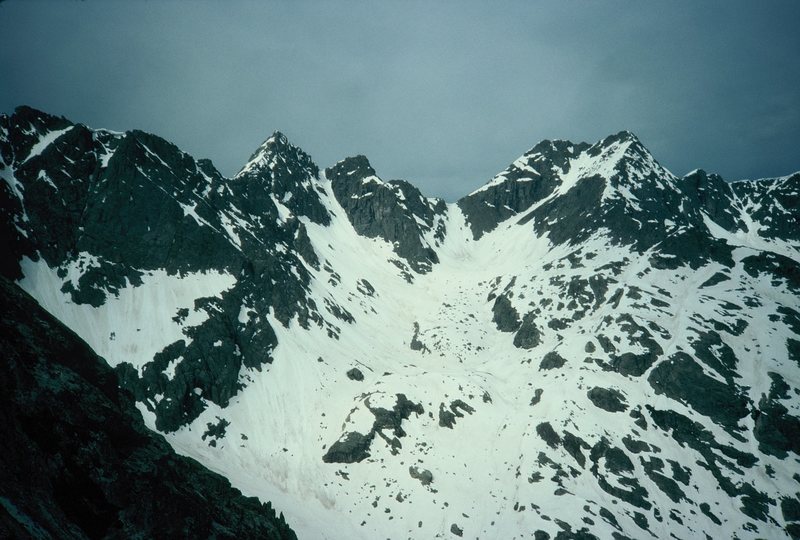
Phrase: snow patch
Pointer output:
(137, 323)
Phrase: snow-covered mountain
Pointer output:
(587, 346)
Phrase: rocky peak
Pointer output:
(771, 204)
(28, 119)
(555, 153)
(529, 179)
(356, 167)
(281, 171)
(616, 186)
(619, 145)
(712, 196)
(623, 136)
(23, 129)
(275, 155)
(700, 181)
(627, 168)
(625, 140)
(124, 198)
(395, 211)
(278, 137)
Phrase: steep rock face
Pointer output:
(615, 188)
(771, 205)
(531, 178)
(395, 211)
(281, 170)
(712, 197)
(614, 185)
(618, 346)
(134, 201)
(77, 459)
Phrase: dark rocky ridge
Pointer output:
(121, 198)
(528, 180)
(77, 461)
(285, 172)
(774, 202)
(638, 191)
(640, 204)
(395, 211)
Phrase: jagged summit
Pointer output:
(621, 136)
(276, 150)
(575, 175)
(281, 173)
(33, 116)
(395, 211)
(557, 153)
(278, 137)
(356, 166)
(31, 124)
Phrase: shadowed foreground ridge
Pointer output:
(77, 461)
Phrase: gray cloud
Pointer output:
(444, 94)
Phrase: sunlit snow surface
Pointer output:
(133, 325)
(493, 475)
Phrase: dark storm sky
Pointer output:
(444, 94)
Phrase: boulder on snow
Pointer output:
(355, 375)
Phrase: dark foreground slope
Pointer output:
(76, 461)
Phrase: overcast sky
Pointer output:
(444, 94)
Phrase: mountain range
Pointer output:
(587, 346)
